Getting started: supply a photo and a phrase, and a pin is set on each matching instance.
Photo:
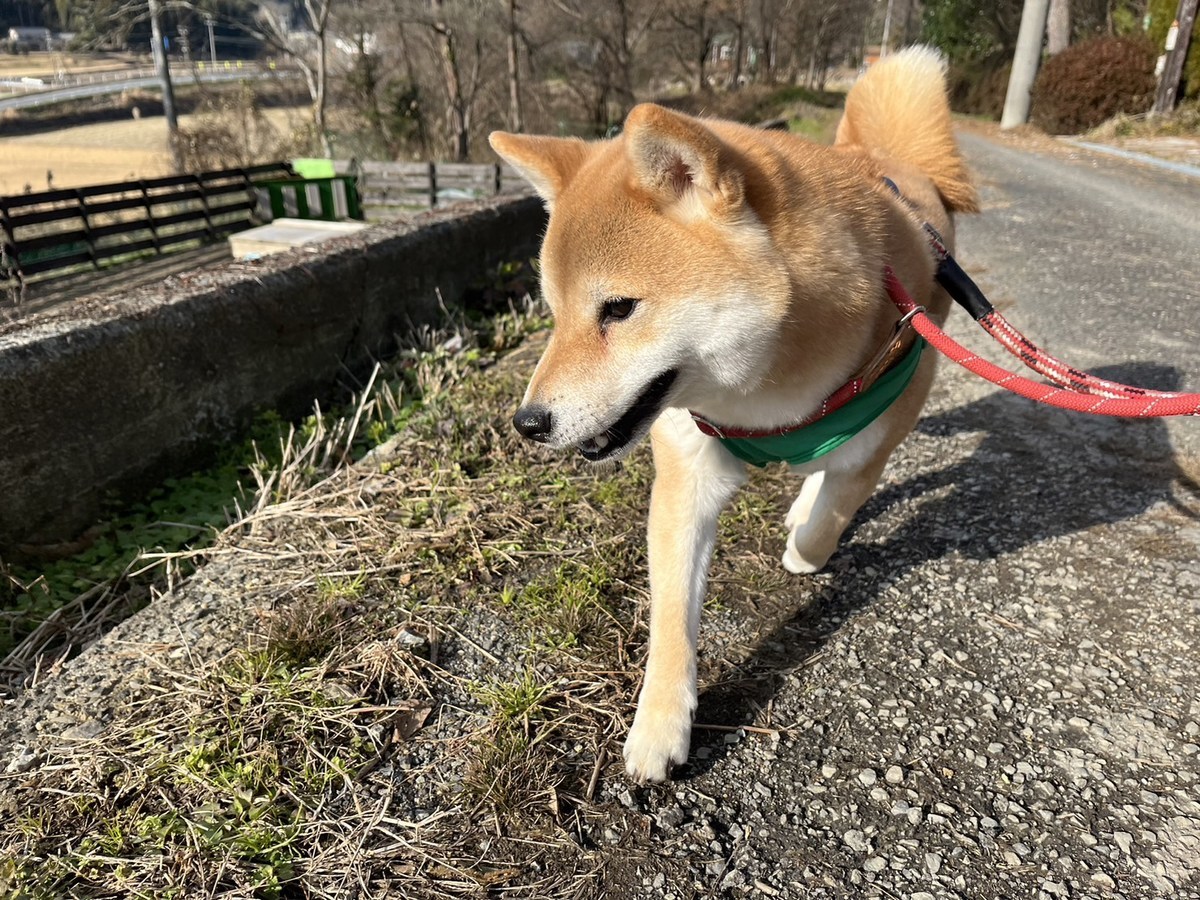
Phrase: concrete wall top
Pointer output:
(108, 390)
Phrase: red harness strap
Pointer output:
(1073, 390)
(832, 403)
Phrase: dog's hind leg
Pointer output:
(802, 507)
(693, 480)
(827, 503)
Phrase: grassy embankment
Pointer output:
(456, 583)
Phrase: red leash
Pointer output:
(1072, 389)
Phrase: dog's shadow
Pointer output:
(1036, 474)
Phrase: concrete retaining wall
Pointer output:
(112, 391)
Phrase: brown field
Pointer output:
(99, 153)
(39, 65)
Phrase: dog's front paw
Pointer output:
(798, 564)
(658, 739)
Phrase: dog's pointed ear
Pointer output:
(675, 157)
(548, 163)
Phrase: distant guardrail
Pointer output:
(34, 85)
(91, 86)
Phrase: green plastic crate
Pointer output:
(331, 199)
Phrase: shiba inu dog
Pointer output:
(711, 282)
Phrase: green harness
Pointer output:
(831, 431)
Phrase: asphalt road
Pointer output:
(1096, 258)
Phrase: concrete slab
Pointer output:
(287, 234)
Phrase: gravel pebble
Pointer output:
(856, 840)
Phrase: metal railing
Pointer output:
(56, 232)
(35, 85)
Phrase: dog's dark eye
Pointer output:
(617, 309)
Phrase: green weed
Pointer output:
(514, 701)
(186, 513)
(565, 608)
(509, 767)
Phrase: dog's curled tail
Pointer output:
(899, 108)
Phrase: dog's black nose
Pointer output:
(533, 422)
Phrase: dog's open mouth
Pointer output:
(643, 410)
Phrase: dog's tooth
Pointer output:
(601, 441)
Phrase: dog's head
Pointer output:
(662, 280)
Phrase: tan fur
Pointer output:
(756, 260)
(882, 113)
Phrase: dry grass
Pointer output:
(433, 697)
(39, 65)
(1183, 122)
(1174, 137)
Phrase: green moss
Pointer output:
(235, 795)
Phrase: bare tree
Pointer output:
(460, 74)
(614, 33)
(690, 27)
(767, 37)
(738, 12)
(819, 33)
(307, 49)
(459, 40)
(516, 120)
(355, 26)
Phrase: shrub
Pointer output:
(230, 130)
(1093, 81)
(977, 88)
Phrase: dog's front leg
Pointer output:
(694, 478)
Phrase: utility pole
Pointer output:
(1168, 86)
(887, 31)
(515, 119)
(212, 41)
(1025, 63)
(1058, 28)
(163, 68)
